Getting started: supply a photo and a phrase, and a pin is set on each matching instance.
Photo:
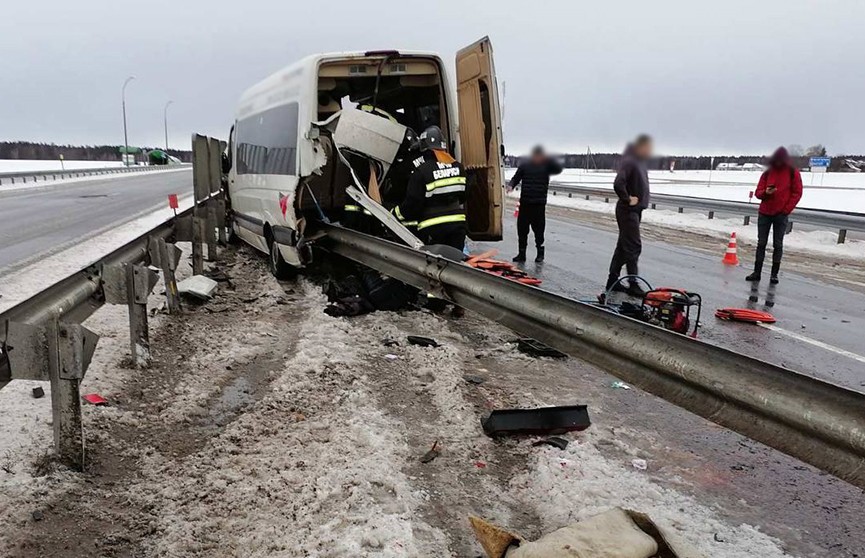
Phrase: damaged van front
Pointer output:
(329, 134)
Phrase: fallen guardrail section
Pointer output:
(830, 220)
(814, 421)
(23, 177)
(43, 338)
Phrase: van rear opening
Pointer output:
(407, 90)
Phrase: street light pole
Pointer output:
(165, 119)
(125, 135)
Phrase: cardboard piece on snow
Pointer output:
(616, 533)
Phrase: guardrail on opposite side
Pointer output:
(24, 177)
(831, 220)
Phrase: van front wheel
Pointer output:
(278, 266)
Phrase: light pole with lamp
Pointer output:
(165, 120)
(125, 135)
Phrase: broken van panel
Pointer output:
(288, 152)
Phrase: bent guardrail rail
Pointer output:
(814, 421)
(25, 177)
(831, 220)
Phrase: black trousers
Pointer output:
(449, 234)
(534, 217)
(777, 224)
(629, 245)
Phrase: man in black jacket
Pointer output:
(535, 179)
(632, 188)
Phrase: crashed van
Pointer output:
(297, 136)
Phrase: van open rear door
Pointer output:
(480, 131)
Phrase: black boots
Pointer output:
(521, 257)
(540, 256)
(754, 277)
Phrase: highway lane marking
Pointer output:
(814, 342)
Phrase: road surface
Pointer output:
(39, 221)
(819, 328)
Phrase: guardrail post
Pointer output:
(747, 220)
(606, 200)
(654, 206)
(168, 257)
(210, 232)
(197, 233)
(711, 215)
(70, 348)
(681, 210)
(139, 283)
(842, 236)
(587, 197)
(789, 227)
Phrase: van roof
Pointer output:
(312, 61)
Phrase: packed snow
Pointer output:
(829, 191)
(37, 165)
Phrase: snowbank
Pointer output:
(832, 191)
(37, 165)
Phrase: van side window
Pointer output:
(266, 142)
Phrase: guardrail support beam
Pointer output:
(210, 233)
(842, 236)
(167, 258)
(747, 220)
(711, 215)
(139, 282)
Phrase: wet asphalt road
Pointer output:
(578, 256)
(38, 221)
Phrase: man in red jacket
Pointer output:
(779, 190)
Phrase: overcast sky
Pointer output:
(702, 77)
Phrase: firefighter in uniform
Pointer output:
(436, 193)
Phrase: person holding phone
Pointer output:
(779, 191)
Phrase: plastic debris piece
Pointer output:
(390, 342)
(639, 464)
(480, 465)
(95, 399)
(422, 341)
(474, 379)
(555, 441)
(535, 348)
(391, 357)
(38, 393)
(619, 385)
(543, 421)
(431, 454)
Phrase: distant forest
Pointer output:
(50, 151)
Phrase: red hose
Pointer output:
(744, 315)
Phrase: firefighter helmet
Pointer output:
(432, 138)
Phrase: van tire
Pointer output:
(278, 266)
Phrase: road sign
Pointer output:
(820, 164)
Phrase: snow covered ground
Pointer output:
(299, 434)
(831, 191)
(28, 165)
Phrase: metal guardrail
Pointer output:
(43, 338)
(23, 177)
(817, 422)
(831, 220)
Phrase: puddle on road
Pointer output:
(235, 396)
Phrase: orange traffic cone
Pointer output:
(730, 256)
(517, 210)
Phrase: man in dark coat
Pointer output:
(779, 190)
(632, 188)
(535, 178)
